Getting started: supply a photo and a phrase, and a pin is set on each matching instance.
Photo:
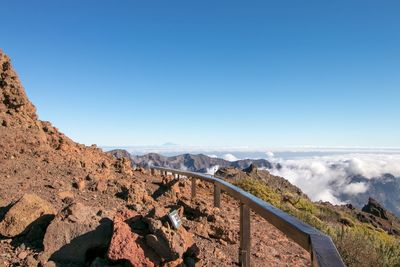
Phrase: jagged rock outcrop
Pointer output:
(374, 208)
(252, 169)
(376, 215)
(13, 96)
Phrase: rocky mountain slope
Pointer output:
(372, 212)
(197, 163)
(66, 204)
(364, 237)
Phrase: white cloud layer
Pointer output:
(326, 178)
(355, 188)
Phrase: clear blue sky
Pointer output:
(227, 73)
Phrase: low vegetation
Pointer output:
(359, 244)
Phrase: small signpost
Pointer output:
(175, 219)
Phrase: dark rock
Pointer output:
(252, 169)
(374, 208)
(189, 262)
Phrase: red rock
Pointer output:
(125, 244)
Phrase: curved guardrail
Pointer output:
(322, 249)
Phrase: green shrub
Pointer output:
(260, 190)
(361, 246)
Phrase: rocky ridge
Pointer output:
(196, 163)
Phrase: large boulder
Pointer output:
(75, 234)
(127, 245)
(28, 211)
(168, 243)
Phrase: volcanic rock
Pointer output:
(169, 243)
(13, 95)
(133, 192)
(127, 245)
(27, 211)
(76, 230)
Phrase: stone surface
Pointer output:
(65, 194)
(30, 209)
(22, 255)
(127, 245)
(169, 243)
(134, 193)
(30, 261)
(75, 231)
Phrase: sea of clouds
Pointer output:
(329, 177)
(326, 178)
(322, 173)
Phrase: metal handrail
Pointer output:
(321, 247)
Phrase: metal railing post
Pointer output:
(244, 249)
(152, 171)
(193, 188)
(217, 195)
